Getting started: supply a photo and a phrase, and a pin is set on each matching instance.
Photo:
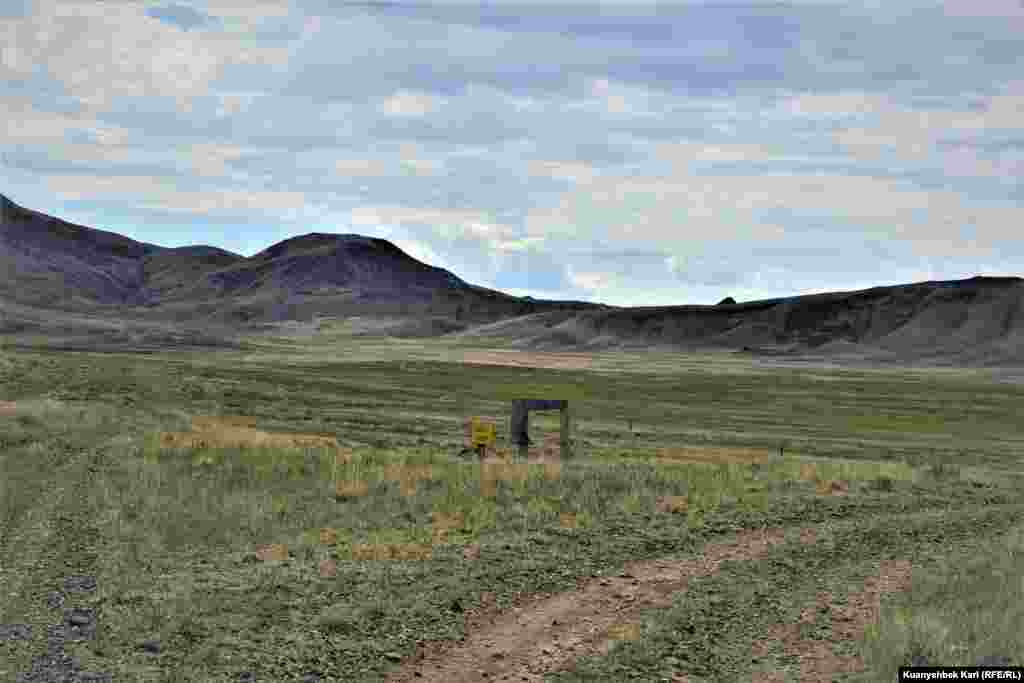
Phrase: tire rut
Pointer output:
(542, 634)
(545, 633)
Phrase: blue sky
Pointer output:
(630, 152)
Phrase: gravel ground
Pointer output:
(74, 624)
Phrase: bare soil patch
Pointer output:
(545, 633)
(230, 431)
(818, 660)
(530, 359)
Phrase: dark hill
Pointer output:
(100, 281)
(52, 264)
(978, 321)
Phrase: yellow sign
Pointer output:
(484, 433)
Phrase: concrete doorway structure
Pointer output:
(519, 423)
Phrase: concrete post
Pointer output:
(565, 446)
(519, 423)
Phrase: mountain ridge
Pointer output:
(52, 265)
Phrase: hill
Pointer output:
(977, 321)
(99, 281)
(59, 278)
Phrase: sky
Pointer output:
(633, 153)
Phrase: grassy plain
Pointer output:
(252, 556)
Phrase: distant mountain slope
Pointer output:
(976, 321)
(320, 263)
(49, 265)
(50, 262)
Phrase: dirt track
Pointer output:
(546, 633)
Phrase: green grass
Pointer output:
(174, 531)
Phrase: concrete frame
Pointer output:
(519, 423)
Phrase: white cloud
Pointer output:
(230, 201)
(726, 208)
(998, 9)
(617, 98)
(914, 134)
(102, 51)
(590, 281)
(421, 251)
(210, 159)
(235, 103)
(413, 161)
(245, 17)
(422, 166)
(155, 193)
(516, 245)
(688, 151)
(451, 223)
(28, 124)
(89, 186)
(574, 171)
(404, 103)
(361, 167)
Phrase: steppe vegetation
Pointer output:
(299, 511)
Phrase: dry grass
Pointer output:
(528, 359)
(712, 455)
(237, 431)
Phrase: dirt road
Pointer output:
(546, 633)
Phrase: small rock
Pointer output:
(15, 632)
(80, 584)
(80, 617)
(150, 646)
(994, 660)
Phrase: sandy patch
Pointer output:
(530, 359)
(8, 407)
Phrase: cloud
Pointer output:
(647, 152)
(564, 170)
(361, 167)
(990, 9)
(451, 224)
(152, 192)
(409, 104)
(101, 52)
